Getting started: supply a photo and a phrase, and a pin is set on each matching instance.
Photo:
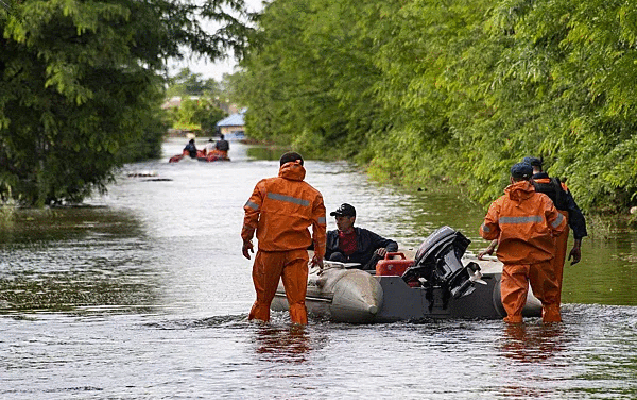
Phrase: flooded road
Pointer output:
(145, 294)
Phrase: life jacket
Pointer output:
(554, 189)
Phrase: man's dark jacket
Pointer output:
(576, 220)
(367, 243)
(222, 144)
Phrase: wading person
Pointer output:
(349, 244)
(525, 224)
(281, 210)
(565, 204)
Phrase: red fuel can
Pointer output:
(393, 267)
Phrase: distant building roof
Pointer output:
(232, 120)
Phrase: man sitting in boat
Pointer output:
(349, 244)
(209, 147)
(191, 149)
(223, 146)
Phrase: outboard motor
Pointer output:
(438, 261)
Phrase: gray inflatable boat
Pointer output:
(441, 282)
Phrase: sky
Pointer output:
(213, 70)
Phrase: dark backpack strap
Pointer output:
(561, 202)
(555, 191)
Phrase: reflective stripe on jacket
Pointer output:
(282, 209)
(525, 223)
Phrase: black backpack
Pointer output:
(555, 191)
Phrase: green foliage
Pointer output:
(201, 100)
(80, 87)
(210, 117)
(310, 73)
(187, 83)
(429, 90)
(203, 113)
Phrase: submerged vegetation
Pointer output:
(422, 90)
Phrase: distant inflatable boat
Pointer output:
(215, 155)
(439, 283)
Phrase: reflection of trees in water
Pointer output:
(65, 259)
(63, 224)
(130, 290)
(265, 153)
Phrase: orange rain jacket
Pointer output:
(525, 222)
(282, 209)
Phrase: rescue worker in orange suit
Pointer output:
(565, 204)
(525, 224)
(281, 210)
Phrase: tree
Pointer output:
(81, 80)
(187, 83)
(461, 90)
(309, 75)
(203, 112)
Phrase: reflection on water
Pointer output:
(289, 344)
(145, 295)
(264, 153)
(76, 259)
(531, 343)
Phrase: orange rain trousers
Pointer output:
(561, 246)
(292, 267)
(514, 288)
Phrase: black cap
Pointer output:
(346, 210)
(522, 171)
(290, 156)
(532, 161)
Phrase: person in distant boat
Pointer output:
(210, 146)
(222, 145)
(349, 244)
(525, 223)
(191, 149)
(281, 210)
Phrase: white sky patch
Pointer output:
(208, 69)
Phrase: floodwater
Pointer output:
(145, 294)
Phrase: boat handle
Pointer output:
(388, 256)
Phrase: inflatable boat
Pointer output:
(440, 282)
(215, 155)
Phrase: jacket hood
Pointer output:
(292, 171)
(520, 191)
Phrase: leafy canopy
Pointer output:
(426, 90)
(81, 81)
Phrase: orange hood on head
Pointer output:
(293, 171)
(519, 191)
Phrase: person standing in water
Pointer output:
(280, 211)
(525, 223)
